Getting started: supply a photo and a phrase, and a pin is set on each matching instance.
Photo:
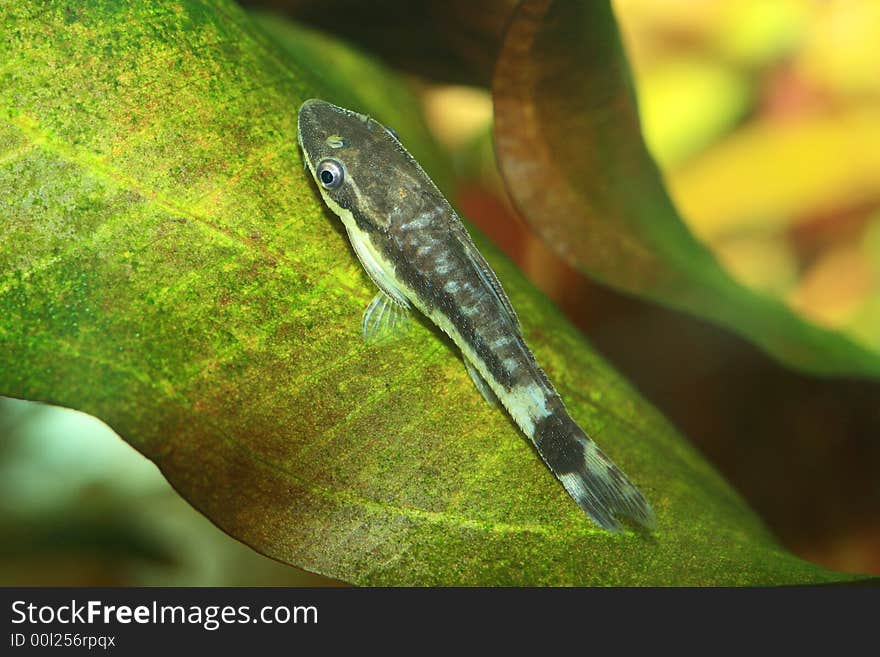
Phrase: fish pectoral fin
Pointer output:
(480, 383)
(383, 319)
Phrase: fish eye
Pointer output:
(330, 173)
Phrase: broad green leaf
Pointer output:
(167, 267)
(571, 152)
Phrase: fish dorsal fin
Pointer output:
(484, 270)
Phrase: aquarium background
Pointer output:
(765, 120)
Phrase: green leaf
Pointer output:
(571, 152)
(167, 267)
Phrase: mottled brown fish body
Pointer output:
(429, 258)
(416, 250)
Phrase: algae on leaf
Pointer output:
(570, 149)
(167, 267)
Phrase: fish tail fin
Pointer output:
(598, 486)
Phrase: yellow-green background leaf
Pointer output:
(570, 148)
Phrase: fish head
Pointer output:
(359, 166)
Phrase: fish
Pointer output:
(415, 248)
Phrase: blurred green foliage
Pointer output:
(78, 506)
(771, 149)
(570, 148)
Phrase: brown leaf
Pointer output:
(571, 152)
